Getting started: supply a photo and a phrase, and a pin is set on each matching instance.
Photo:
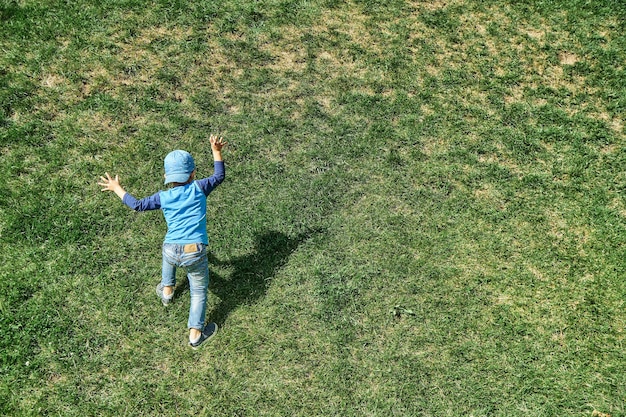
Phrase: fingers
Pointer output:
(108, 182)
(215, 140)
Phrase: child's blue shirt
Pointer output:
(184, 207)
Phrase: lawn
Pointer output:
(423, 212)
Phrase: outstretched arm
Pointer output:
(112, 184)
(152, 202)
(208, 184)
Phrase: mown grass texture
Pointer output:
(423, 212)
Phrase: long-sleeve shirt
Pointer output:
(184, 207)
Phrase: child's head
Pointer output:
(179, 165)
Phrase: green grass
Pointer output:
(423, 214)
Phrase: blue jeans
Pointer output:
(193, 258)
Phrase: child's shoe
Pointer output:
(165, 299)
(208, 332)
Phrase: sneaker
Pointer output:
(208, 332)
(165, 299)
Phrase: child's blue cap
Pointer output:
(178, 166)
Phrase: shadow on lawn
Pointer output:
(252, 274)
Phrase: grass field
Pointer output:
(424, 212)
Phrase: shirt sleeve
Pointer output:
(149, 203)
(208, 184)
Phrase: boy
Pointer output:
(184, 209)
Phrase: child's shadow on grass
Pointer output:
(251, 274)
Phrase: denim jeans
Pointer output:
(195, 262)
